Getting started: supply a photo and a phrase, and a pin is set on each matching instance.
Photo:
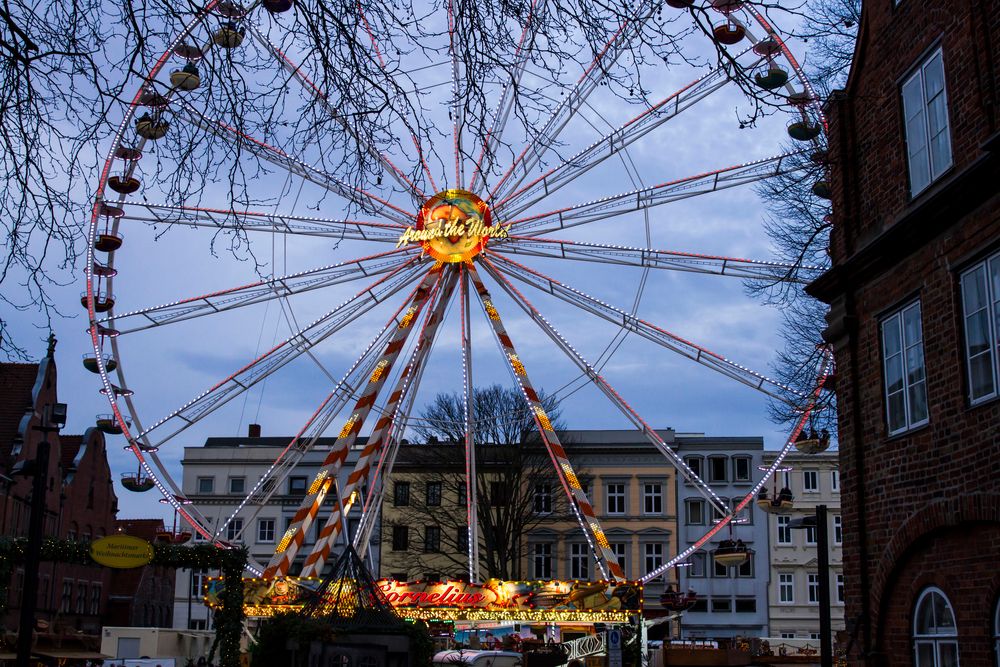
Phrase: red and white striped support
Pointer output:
(378, 438)
(578, 500)
(293, 538)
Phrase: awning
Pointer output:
(70, 654)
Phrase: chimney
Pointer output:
(253, 431)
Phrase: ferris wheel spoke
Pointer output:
(294, 536)
(582, 509)
(259, 292)
(826, 367)
(296, 72)
(607, 389)
(364, 200)
(505, 105)
(574, 100)
(457, 116)
(315, 426)
(281, 354)
(612, 143)
(657, 259)
(223, 220)
(378, 440)
(468, 401)
(651, 332)
(373, 500)
(645, 198)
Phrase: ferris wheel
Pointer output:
(481, 198)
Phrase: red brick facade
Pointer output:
(921, 507)
(80, 501)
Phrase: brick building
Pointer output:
(142, 596)
(80, 500)
(915, 294)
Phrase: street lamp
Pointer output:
(52, 418)
(818, 522)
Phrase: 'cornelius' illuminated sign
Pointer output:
(453, 226)
(496, 595)
(597, 601)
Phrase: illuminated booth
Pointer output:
(458, 604)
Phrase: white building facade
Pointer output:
(218, 475)
(794, 591)
(732, 601)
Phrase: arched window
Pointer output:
(935, 636)
(996, 631)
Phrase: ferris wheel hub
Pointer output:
(453, 226)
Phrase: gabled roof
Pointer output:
(142, 528)
(17, 382)
(69, 449)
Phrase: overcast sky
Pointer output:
(168, 367)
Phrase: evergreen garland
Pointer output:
(231, 563)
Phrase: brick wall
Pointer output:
(919, 508)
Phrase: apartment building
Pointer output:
(217, 477)
(814, 479)
(732, 601)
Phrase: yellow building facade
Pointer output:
(526, 528)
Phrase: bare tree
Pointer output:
(71, 68)
(798, 220)
(515, 484)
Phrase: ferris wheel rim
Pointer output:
(145, 454)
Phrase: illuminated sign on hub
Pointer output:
(453, 226)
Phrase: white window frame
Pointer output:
(241, 482)
(982, 273)
(262, 537)
(542, 498)
(840, 589)
(66, 601)
(697, 569)
(698, 503)
(724, 468)
(786, 588)
(696, 465)
(810, 481)
(233, 529)
(784, 536)
(812, 587)
(937, 638)
(579, 561)
(918, 116)
(196, 582)
(619, 493)
(996, 631)
(835, 480)
(202, 485)
(432, 539)
(715, 515)
(748, 477)
(894, 325)
(95, 598)
(541, 560)
(652, 494)
(652, 558)
(838, 529)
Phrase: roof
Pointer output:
(16, 384)
(142, 528)
(69, 447)
(269, 441)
